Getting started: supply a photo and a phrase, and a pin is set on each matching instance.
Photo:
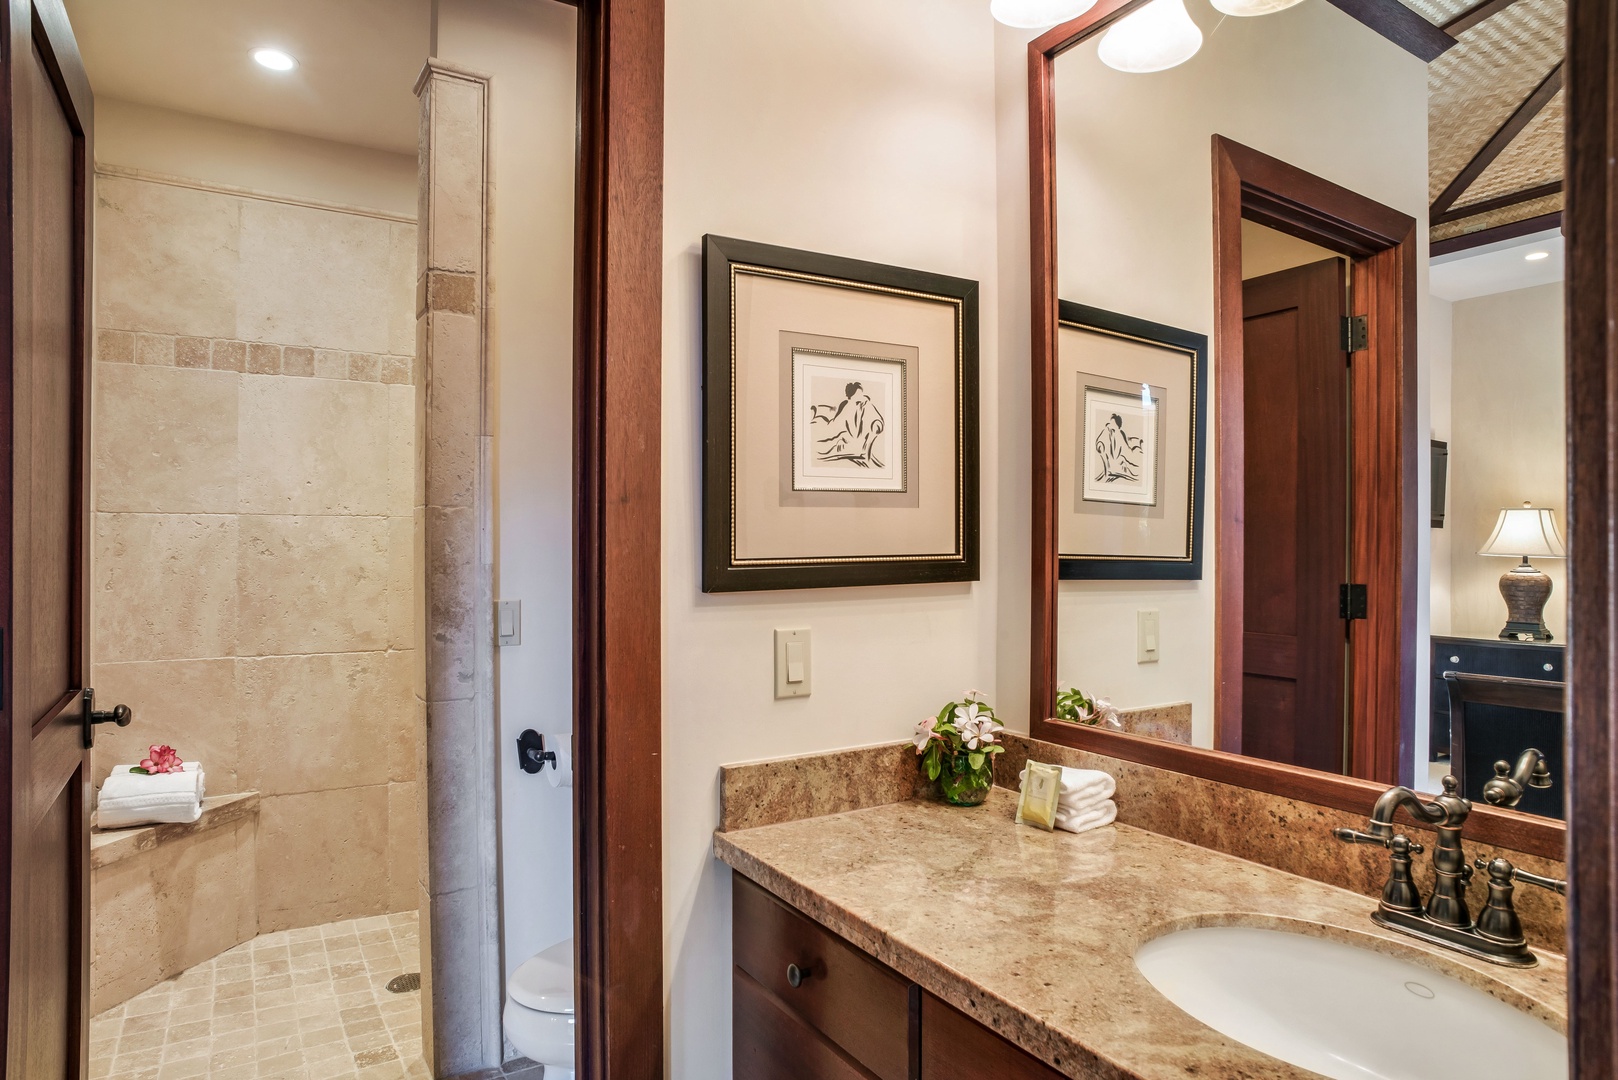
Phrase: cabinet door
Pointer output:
(956, 1047)
(771, 1042)
(854, 1001)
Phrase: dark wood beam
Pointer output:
(1499, 202)
(1514, 125)
(1475, 14)
(1510, 231)
(1400, 25)
(1592, 604)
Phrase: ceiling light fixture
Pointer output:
(1154, 38)
(1244, 8)
(1037, 14)
(274, 59)
(1535, 256)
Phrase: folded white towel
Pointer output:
(1084, 820)
(130, 798)
(1082, 788)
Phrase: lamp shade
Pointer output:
(1037, 14)
(1252, 7)
(1527, 532)
(1154, 38)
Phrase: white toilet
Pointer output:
(539, 1010)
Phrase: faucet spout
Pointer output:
(1511, 781)
(1389, 802)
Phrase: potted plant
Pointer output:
(1077, 707)
(957, 748)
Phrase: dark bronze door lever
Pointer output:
(120, 715)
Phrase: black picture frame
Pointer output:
(721, 571)
(1074, 568)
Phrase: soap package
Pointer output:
(1041, 794)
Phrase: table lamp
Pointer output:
(1519, 534)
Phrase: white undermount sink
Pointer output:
(1346, 1012)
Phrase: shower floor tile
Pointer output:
(308, 1004)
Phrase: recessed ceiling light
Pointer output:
(1535, 256)
(274, 59)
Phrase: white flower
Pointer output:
(1106, 714)
(926, 732)
(973, 696)
(977, 727)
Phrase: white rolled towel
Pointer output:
(130, 798)
(1094, 817)
(1082, 788)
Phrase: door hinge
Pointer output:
(1356, 332)
(1352, 601)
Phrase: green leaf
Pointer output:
(975, 760)
(932, 768)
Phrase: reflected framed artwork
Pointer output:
(840, 405)
(1132, 431)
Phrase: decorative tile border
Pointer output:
(251, 357)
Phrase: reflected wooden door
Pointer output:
(1296, 402)
(43, 487)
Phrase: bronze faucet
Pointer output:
(1510, 782)
(1445, 919)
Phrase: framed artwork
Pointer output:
(1131, 436)
(840, 406)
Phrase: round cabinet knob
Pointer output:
(1550, 667)
(1455, 659)
(796, 975)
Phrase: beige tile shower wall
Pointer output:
(254, 549)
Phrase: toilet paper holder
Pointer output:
(531, 753)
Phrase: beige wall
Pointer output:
(1309, 85)
(528, 50)
(158, 140)
(1509, 431)
(253, 549)
(805, 123)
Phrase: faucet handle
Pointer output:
(1354, 836)
(1501, 871)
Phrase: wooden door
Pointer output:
(44, 483)
(1296, 417)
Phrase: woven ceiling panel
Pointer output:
(1438, 12)
(1549, 204)
(1473, 88)
(1535, 157)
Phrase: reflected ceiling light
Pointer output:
(1535, 256)
(274, 59)
(1154, 38)
(1252, 7)
(1037, 14)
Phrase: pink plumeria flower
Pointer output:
(162, 759)
(926, 732)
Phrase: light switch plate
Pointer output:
(508, 622)
(792, 666)
(1147, 638)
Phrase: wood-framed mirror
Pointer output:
(1375, 256)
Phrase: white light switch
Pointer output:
(792, 663)
(1146, 638)
(508, 622)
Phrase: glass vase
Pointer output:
(963, 785)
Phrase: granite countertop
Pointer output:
(1034, 934)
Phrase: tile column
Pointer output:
(460, 929)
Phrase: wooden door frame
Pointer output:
(1381, 244)
(1487, 825)
(617, 590)
(1592, 473)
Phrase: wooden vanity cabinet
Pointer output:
(808, 1005)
